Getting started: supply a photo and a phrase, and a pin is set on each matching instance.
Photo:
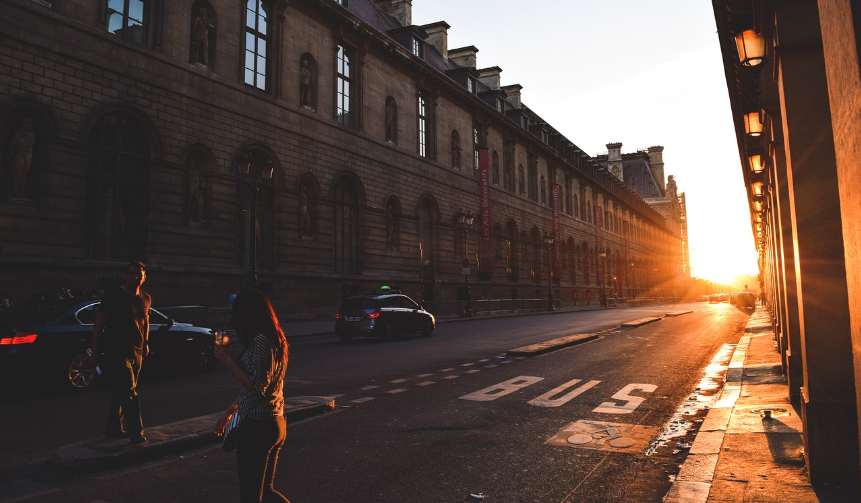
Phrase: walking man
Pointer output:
(120, 335)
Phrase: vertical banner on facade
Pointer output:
(598, 225)
(486, 245)
(557, 234)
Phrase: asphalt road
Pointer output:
(422, 419)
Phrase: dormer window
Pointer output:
(417, 47)
(342, 3)
(470, 85)
(499, 105)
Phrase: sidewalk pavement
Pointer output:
(742, 453)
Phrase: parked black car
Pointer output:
(49, 340)
(385, 315)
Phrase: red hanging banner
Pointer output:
(486, 245)
(557, 233)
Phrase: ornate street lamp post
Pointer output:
(548, 243)
(255, 173)
(466, 219)
(603, 255)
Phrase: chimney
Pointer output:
(438, 36)
(656, 161)
(614, 160)
(513, 94)
(402, 10)
(490, 77)
(464, 56)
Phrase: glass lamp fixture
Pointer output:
(757, 188)
(548, 240)
(756, 164)
(757, 205)
(751, 48)
(753, 124)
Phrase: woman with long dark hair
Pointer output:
(260, 404)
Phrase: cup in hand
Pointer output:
(221, 338)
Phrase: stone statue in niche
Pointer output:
(455, 152)
(304, 213)
(196, 192)
(22, 156)
(200, 38)
(304, 84)
(390, 227)
(390, 120)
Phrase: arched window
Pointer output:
(426, 240)
(535, 264)
(494, 168)
(455, 150)
(521, 180)
(585, 261)
(511, 251)
(256, 224)
(576, 207)
(346, 220)
(118, 189)
(543, 186)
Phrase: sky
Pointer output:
(639, 72)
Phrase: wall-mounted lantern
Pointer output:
(758, 188)
(751, 48)
(753, 124)
(756, 164)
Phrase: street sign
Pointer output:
(465, 263)
(465, 271)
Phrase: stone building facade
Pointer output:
(138, 121)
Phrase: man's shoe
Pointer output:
(140, 439)
(116, 434)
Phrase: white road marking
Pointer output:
(398, 381)
(490, 366)
(395, 391)
(424, 375)
(546, 401)
(368, 388)
(451, 377)
(363, 400)
(631, 402)
(467, 365)
(506, 361)
(483, 360)
(473, 371)
(446, 370)
(426, 383)
(336, 396)
(504, 388)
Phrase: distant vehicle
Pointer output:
(724, 297)
(49, 340)
(746, 300)
(704, 298)
(714, 298)
(732, 297)
(386, 314)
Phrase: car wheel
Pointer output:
(345, 337)
(81, 373)
(427, 330)
(388, 332)
(205, 355)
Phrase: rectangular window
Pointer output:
(256, 42)
(417, 47)
(470, 85)
(422, 125)
(475, 146)
(128, 19)
(343, 97)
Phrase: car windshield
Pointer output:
(39, 312)
(359, 304)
